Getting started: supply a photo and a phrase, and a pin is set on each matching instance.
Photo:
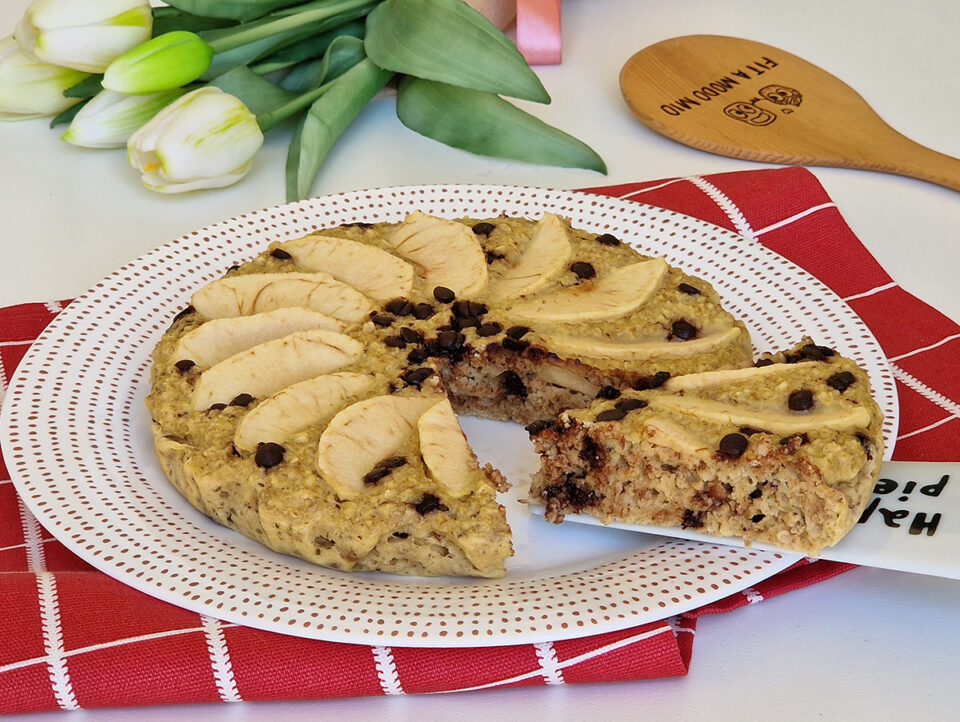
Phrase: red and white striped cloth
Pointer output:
(71, 637)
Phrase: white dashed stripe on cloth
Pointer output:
(32, 539)
(871, 291)
(592, 654)
(549, 665)
(53, 642)
(3, 382)
(220, 660)
(726, 205)
(658, 186)
(946, 339)
(53, 307)
(948, 405)
(928, 427)
(678, 628)
(752, 595)
(387, 670)
(795, 217)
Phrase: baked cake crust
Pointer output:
(786, 452)
(306, 398)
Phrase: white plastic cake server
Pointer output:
(911, 524)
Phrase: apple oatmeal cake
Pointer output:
(308, 398)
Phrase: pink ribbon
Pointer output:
(538, 31)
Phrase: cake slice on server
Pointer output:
(785, 453)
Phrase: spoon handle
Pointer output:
(906, 157)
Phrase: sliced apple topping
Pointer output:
(364, 434)
(268, 367)
(612, 295)
(298, 407)
(630, 350)
(221, 338)
(774, 420)
(565, 378)
(445, 252)
(542, 258)
(664, 432)
(251, 293)
(445, 451)
(369, 269)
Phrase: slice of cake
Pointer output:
(786, 452)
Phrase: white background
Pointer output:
(870, 644)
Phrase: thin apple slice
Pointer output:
(445, 450)
(370, 270)
(298, 407)
(610, 296)
(445, 252)
(628, 350)
(268, 367)
(221, 338)
(363, 434)
(251, 293)
(542, 258)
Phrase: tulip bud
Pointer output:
(167, 61)
(29, 89)
(109, 119)
(204, 139)
(83, 34)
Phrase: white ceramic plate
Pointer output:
(77, 443)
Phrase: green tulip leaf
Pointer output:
(448, 41)
(242, 10)
(486, 124)
(86, 88)
(326, 120)
(309, 48)
(258, 94)
(68, 115)
(343, 54)
(168, 19)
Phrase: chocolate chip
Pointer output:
(583, 270)
(841, 381)
(415, 377)
(393, 462)
(517, 332)
(233, 450)
(268, 455)
(800, 400)
(493, 256)
(590, 451)
(462, 322)
(381, 320)
(651, 382)
(444, 294)
(399, 307)
(683, 330)
(749, 430)
(688, 289)
(613, 414)
(280, 254)
(757, 518)
(733, 445)
(383, 468)
(394, 342)
(630, 404)
(217, 407)
(489, 329)
(416, 356)
(184, 365)
(183, 312)
(756, 493)
(692, 519)
(512, 384)
(608, 239)
(242, 400)
(409, 335)
(427, 504)
(512, 344)
(423, 311)
(539, 426)
(400, 534)
(375, 475)
(483, 228)
(609, 393)
(450, 339)
(763, 362)
(813, 352)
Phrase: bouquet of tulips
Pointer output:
(189, 88)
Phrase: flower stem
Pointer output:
(292, 18)
(269, 119)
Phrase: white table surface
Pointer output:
(870, 644)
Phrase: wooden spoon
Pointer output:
(745, 99)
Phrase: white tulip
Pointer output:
(83, 34)
(29, 89)
(204, 139)
(109, 119)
